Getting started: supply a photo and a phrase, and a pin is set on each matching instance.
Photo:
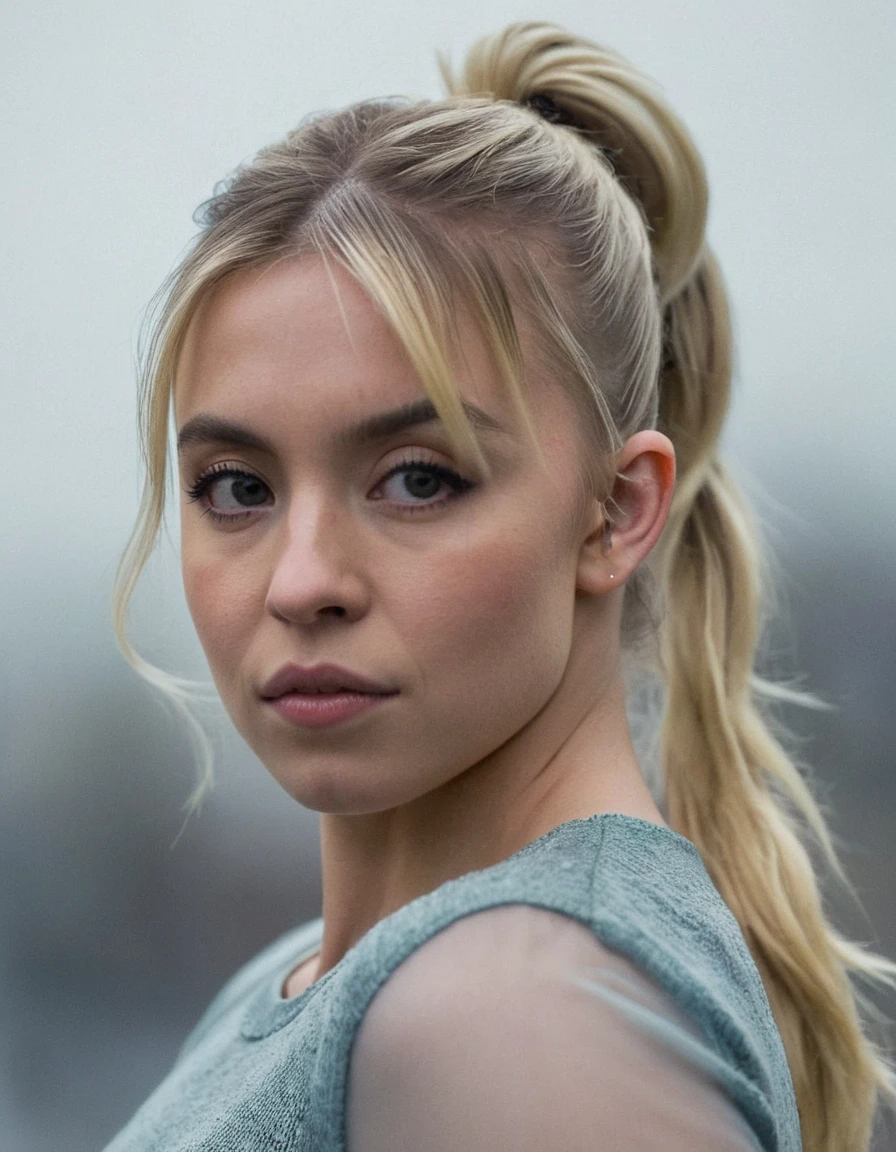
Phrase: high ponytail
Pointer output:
(593, 225)
(730, 786)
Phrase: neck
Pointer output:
(569, 762)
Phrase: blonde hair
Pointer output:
(594, 226)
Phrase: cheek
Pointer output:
(217, 600)
(501, 606)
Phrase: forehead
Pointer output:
(301, 337)
(299, 322)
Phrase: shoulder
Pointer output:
(517, 1027)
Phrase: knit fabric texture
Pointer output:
(263, 1072)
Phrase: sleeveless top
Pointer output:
(593, 990)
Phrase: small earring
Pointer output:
(612, 576)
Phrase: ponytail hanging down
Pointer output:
(556, 176)
(730, 787)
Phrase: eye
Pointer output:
(228, 493)
(423, 479)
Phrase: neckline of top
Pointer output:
(270, 1010)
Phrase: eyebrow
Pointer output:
(205, 428)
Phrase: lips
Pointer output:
(321, 678)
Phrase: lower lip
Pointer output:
(323, 709)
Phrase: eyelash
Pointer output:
(457, 483)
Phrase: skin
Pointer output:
(496, 613)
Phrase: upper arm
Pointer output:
(483, 1040)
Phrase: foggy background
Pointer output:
(119, 119)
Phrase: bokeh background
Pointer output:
(118, 120)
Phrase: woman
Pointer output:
(448, 381)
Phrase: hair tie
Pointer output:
(548, 109)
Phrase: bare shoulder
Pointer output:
(506, 958)
(516, 1027)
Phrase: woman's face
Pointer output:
(304, 546)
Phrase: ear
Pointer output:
(630, 521)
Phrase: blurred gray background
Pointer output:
(119, 118)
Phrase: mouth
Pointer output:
(322, 709)
(321, 695)
(322, 680)
(333, 692)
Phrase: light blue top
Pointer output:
(262, 1072)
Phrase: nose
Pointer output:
(315, 569)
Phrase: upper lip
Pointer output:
(320, 678)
